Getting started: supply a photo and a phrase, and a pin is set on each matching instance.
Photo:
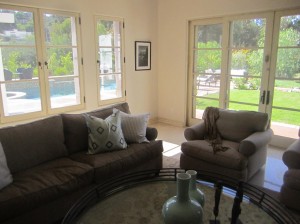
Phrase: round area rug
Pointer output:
(143, 205)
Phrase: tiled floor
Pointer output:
(270, 176)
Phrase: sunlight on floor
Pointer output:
(171, 149)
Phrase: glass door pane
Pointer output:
(245, 70)
(286, 96)
(62, 60)
(19, 78)
(207, 55)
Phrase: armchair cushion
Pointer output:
(230, 158)
(238, 125)
(291, 179)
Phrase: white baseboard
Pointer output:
(281, 141)
(171, 122)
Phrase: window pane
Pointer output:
(20, 86)
(288, 63)
(110, 60)
(248, 33)
(59, 30)
(110, 86)
(200, 104)
(208, 36)
(207, 86)
(109, 33)
(247, 62)
(287, 76)
(289, 34)
(64, 91)
(62, 61)
(286, 93)
(20, 63)
(21, 97)
(16, 28)
(237, 106)
(207, 60)
(246, 95)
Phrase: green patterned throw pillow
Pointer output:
(105, 135)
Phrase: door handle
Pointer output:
(268, 97)
(262, 97)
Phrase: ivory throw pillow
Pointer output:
(105, 135)
(5, 175)
(134, 127)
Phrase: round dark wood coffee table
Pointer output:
(139, 197)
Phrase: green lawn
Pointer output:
(281, 99)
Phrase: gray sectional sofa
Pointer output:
(51, 168)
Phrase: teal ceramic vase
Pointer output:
(195, 193)
(180, 209)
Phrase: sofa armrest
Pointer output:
(254, 142)
(151, 133)
(291, 157)
(195, 132)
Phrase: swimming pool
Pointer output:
(31, 90)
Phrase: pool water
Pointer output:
(31, 90)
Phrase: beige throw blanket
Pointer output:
(210, 117)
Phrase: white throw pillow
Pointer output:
(105, 135)
(134, 127)
(5, 176)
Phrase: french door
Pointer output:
(249, 62)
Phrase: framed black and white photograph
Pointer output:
(142, 55)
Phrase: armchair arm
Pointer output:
(254, 142)
(291, 157)
(194, 132)
(151, 133)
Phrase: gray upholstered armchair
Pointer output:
(245, 133)
(290, 190)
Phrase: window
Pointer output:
(40, 71)
(110, 59)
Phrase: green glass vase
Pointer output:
(195, 193)
(180, 209)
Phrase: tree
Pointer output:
(208, 59)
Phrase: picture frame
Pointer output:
(142, 55)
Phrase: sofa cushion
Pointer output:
(245, 123)
(41, 184)
(115, 163)
(105, 135)
(202, 150)
(75, 129)
(134, 127)
(291, 156)
(291, 179)
(30, 144)
(5, 175)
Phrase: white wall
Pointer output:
(173, 17)
(140, 24)
(161, 90)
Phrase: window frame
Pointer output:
(122, 98)
(40, 50)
